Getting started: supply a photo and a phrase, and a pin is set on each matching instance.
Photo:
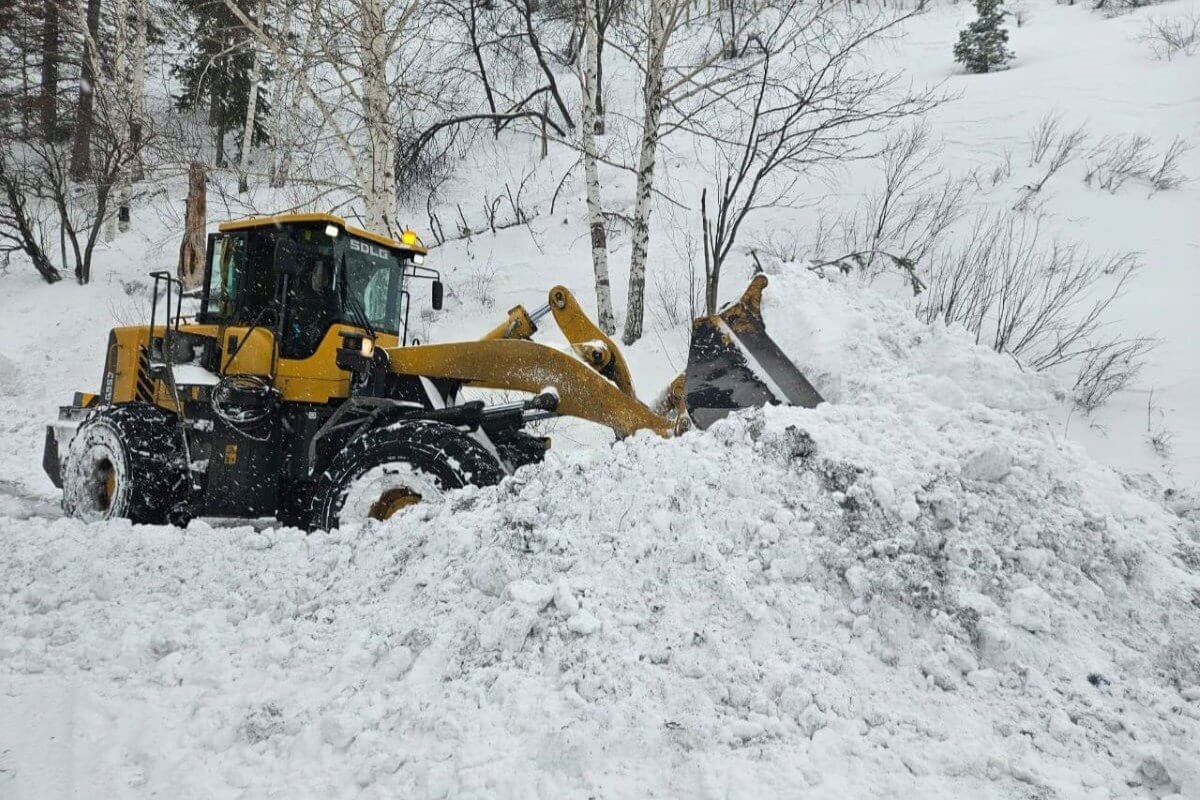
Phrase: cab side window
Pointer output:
(312, 303)
(227, 269)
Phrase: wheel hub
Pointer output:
(106, 485)
(391, 501)
(384, 491)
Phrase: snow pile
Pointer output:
(10, 377)
(915, 590)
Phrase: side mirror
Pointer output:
(287, 257)
(438, 292)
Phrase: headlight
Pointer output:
(418, 259)
(368, 347)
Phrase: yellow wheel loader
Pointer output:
(294, 390)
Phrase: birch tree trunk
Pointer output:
(380, 194)
(599, 235)
(592, 12)
(138, 87)
(652, 99)
(117, 96)
(251, 106)
(281, 125)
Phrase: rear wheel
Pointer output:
(124, 462)
(385, 470)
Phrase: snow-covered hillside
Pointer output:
(1094, 72)
(946, 582)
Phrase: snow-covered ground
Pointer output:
(935, 585)
(920, 587)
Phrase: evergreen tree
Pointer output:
(215, 74)
(983, 45)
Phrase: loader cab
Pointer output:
(299, 276)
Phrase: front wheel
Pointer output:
(386, 469)
(124, 462)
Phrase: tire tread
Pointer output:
(450, 456)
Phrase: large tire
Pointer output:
(125, 462)
(385, 469)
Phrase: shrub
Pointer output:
(1042, 302)
(1116, 160)
(1168, 37)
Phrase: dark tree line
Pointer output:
(73, 124)
(48, 59)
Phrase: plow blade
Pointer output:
(734, 364)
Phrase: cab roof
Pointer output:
(413, 246)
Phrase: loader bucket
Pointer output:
(734, 364)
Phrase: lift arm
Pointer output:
(525, 366)
(590, 343)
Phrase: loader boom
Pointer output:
(733, 364)
(527, 366)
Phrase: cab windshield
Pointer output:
(342, 279)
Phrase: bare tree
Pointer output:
(138, 82)
(905, 219)
(11, 63)
(682, 76)
(290, 71)
(24, 221)
(1107, 367)
(472, 15)
(119, 98)
(808, 106)
(383, 86)
(1116, 160)
(894, 229)
(526, 9)
(1167, 37)
(1167, 173)
(501, 50)
(1046, 140)
(38, 195)
(663, 19)
(97, 172)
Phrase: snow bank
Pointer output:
(917, 589)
